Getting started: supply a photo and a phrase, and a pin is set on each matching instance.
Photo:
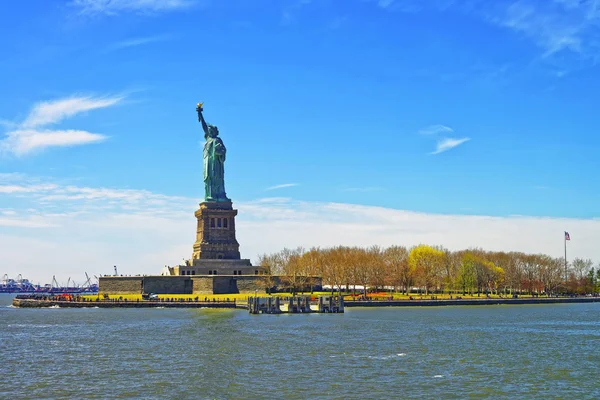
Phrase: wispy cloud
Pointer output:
(30, 135)
(8, 124)
(441, 132)
(448, 143)
(282, 186)
(555, 26)
(22, 142)
(385, 3)
(51, 112)
(114, 7)
(28, 188)
(134, 42)
(436, 130)
(71, 197)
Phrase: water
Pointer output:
(549, 351)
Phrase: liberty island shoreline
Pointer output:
(25, 301)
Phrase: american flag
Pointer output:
(567, 237)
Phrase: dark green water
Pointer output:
(545, 351)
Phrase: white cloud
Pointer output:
(30, 222)
(328, 224)
(282, 186)
(140, 231)
(28, 136)
(81, 198)
(21, 142)
(51, 112)
(9, 189)
(113, 7)
(436, 130)
(448, 143)
(443, 143)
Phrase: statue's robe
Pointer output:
(214, 172)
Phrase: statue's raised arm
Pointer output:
(201, 119)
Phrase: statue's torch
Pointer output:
(199, 110)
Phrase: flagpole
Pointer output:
(566, 274)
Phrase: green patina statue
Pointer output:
(214, 160)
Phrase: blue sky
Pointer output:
(442, 108)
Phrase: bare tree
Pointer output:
(396, 261)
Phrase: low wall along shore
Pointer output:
(180, 284)
(186, 284)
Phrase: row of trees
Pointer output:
(430, 269)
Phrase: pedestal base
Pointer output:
(215, 235)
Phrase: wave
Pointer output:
(372, 357)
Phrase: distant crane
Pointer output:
(87, 283)
(116, 273)
(54, 284)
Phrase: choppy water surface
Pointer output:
(444, 352)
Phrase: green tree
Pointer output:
(591, 287)
(466, 273)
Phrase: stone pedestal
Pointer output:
(215, 234)
(216, 250)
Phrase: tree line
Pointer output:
(430, 269)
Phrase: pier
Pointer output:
(295, 305)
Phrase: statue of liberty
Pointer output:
(214, 160)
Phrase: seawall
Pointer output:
(469, 302)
